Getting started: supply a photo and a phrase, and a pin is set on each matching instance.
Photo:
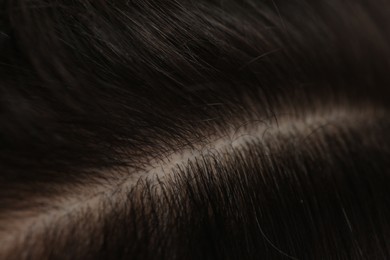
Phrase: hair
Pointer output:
(166, 129)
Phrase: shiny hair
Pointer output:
(166, 129)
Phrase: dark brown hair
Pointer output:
(166, 129)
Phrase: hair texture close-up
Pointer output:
(194, 129)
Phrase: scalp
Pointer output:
(158, 121)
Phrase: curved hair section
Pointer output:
(236, 129)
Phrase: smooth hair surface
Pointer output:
(167, 129)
